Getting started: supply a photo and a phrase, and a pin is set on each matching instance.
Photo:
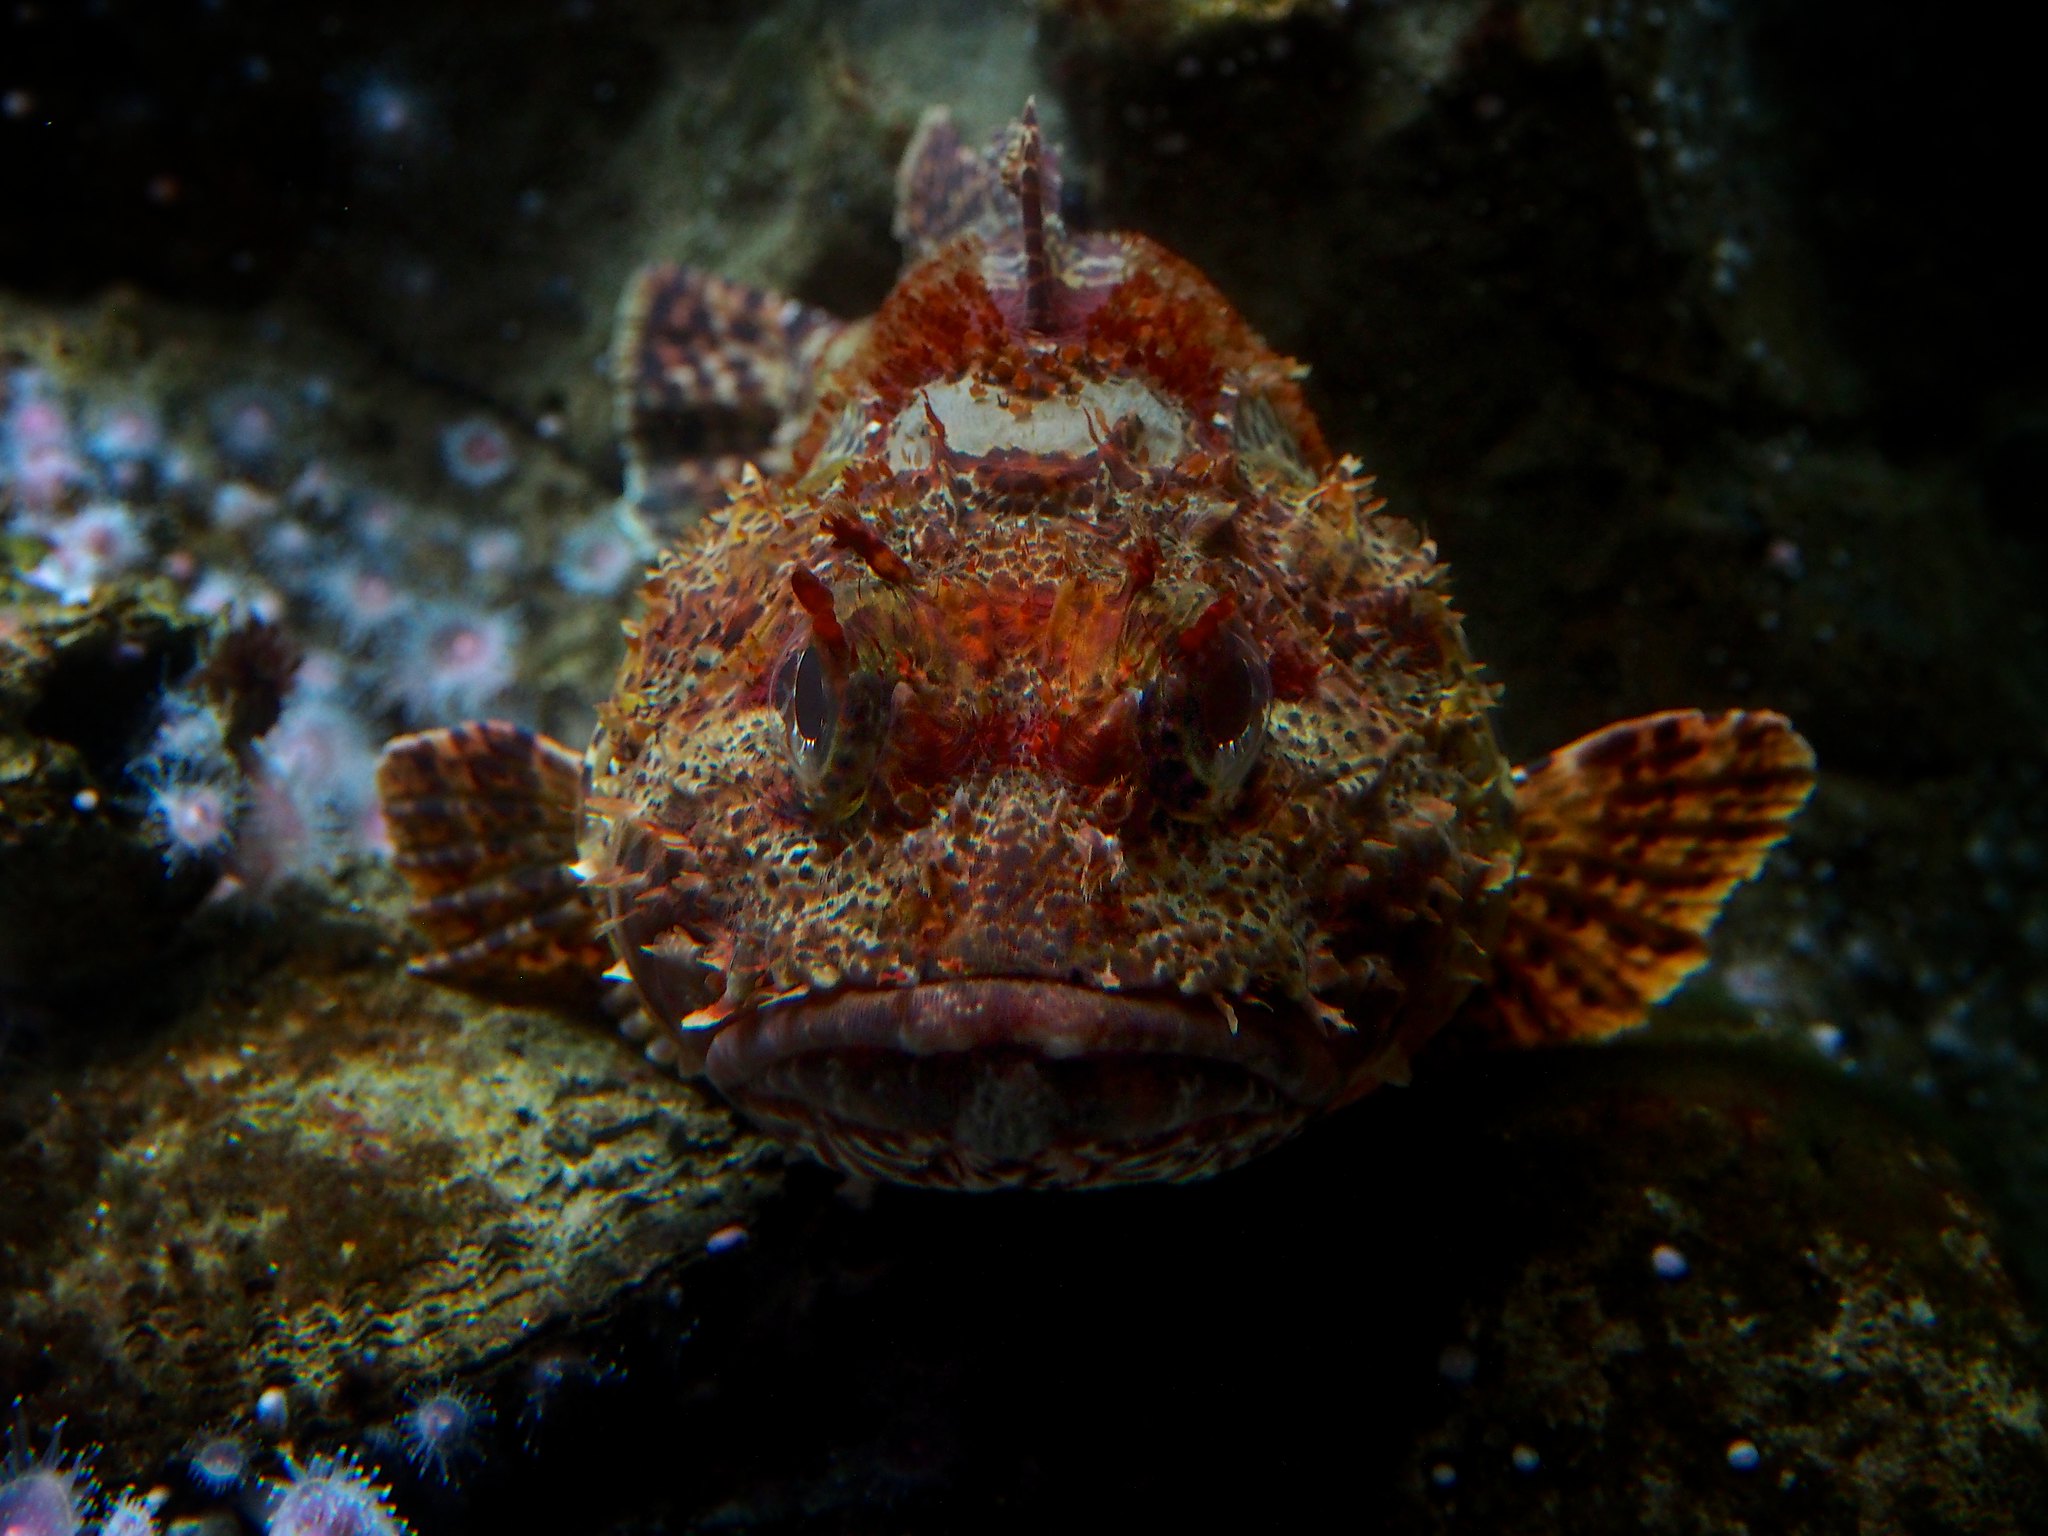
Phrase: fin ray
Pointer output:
(484, 820)
(710, 375)
(946, 188)
(1632, 839)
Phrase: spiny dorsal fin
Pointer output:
(943, 187)
(484, 819)
(1024, 176)
(708, 372)
(1632, 838)
(946, 188)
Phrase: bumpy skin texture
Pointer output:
(1057, 769)
(1064, 654)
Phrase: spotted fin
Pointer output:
(946, 188)
(708, 374)
(483, 819)
(1632, 838)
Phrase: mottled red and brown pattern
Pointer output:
(1064, 771)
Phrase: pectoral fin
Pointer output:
(484, 819)
(1632, 838)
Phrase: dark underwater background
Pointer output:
(1704, 337)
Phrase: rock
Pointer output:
(1621, 1266)
(1439, 1280)
(85, 897)
(1181, 32)
(1760, 1306)
(1907, 944)
(330, 1178)
(1556, 286)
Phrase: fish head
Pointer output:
(1064, 775)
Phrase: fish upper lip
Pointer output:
(1034, 1016)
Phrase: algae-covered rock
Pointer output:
(329, 1178)
(86, 898)
(1911, 946)
(1554, 1294)
(1760, 1306)
(1164, 27)
(1548, 1295)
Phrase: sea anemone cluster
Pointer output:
(287, 794)
(323, 1496)
(51, 1495)
(414, 614)
(403, 610)
(327, 1494)
(248, 1474)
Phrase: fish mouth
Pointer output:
(1005, 1081)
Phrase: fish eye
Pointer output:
(1208, 723)
(1231, 692)
(811, 710)
(834, 721)
(1229, 689)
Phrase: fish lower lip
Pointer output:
(1051, 1020)
(1000, 1081)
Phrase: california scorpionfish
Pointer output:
(1045, 763)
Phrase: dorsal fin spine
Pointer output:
(1038, 295)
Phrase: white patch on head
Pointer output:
(979, 419)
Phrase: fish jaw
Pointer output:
(1019, 1082)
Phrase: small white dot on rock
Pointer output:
(1743, 1455)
